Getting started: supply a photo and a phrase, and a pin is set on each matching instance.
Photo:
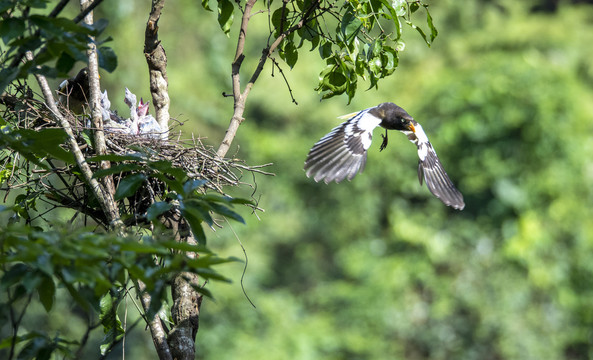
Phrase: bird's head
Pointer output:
(393, 117)
(82, 77)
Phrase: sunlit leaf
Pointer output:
(206, 5)
(350, 26)
(225, 15)
(433, 29)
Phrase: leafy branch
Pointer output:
(357, 39)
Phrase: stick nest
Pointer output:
(21, 109)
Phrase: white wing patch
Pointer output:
(342, 153)
(419, 139)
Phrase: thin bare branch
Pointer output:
(285, 79)
(58, 8)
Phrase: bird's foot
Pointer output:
(384, 143)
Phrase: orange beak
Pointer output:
(411, 127)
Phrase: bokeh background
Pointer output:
(377, 268)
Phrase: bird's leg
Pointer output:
(384, 143)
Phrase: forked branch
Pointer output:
(239, 96)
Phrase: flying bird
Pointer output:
(342, 153)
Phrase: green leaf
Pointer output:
(226, 199)
(190, 185)
(39, 347)
(110, 320)
(6, 5)
(225, 211)
(7, 76)
(225, 15)
(173, 184)
(98, 26)
(394, 17)
(325, 49)
(194, 218)
(204, 291)
(11, 28)
(65, 62)
(433, 29)
(116, 169)
(157, 209)
(107, 58)
(350, 26)
(141, 248)
(14, 275)
(399, 6)
(336, 80)
(185, 247)
(291, 54)
(208, 274)
(128, 186)
(277, 21)
(47, 292)
(60, 27)
(420, 31)
(198, 209)
(389, 60)
(206, 5)
(46, 142)
(166, 167)
(114, 157)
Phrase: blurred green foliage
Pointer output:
(26, 27)
(377, 268)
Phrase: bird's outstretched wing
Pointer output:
(342, 153)
(431, 170)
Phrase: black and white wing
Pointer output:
(342, 153)
(431, 170)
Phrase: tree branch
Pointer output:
(156, 59)
(241, 97)
(185, 311)
(105, 198)
(239, 101)
(159, 335)
(95, 100)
